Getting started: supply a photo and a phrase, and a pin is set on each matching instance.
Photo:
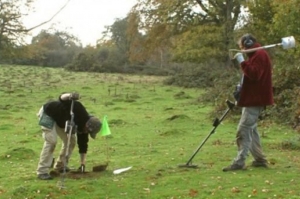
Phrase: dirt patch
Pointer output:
(100, 168)
(171, 132)
(79, 174)
(76, 174)
(176, 117)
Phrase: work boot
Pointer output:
(234, 167)
(256, 163)
(44, 176)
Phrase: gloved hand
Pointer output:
(239, 57)
(74, 96)
(81, 168)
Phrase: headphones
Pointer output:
(248, 40)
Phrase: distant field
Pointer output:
(154, 129)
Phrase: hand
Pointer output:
(74, 96)
(81, 168)
(239, 57)
(69, 96)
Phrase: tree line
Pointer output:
(188, 40)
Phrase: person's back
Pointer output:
(60, 111)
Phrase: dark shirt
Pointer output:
(60, 112)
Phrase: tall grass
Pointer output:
(154, 129)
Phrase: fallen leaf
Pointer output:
(193, 193)
(235, 190)
(265, 190)
(146, 189)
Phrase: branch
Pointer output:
(207, 10)
(27, 30)
(202, 6)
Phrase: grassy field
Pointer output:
(154, 128)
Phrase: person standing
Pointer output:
(254, 94)
(55, 120)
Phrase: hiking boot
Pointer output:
(234, 167)
(44, 176)
(259, 164)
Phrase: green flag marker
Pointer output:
(105, 128)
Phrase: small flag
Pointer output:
(105, 128)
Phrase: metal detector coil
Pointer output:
(216, 123)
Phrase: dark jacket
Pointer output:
(257, 89)
(59, 111)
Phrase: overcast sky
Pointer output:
(83, 18)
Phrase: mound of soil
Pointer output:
(79, 174)
(99, 168)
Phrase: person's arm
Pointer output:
(82, 141)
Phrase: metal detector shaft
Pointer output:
(68, 129)
(215, 124)
(286, 43)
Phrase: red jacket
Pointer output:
(257, 89)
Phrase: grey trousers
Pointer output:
(247, 137)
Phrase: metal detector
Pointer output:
(216, 123)
(70, 128)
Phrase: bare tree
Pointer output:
(12, 30)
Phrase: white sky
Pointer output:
(83, 18)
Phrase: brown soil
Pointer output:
(75, 174)
(79, 175)
(99, 168)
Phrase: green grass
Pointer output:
(154, 129)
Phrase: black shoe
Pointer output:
(44, 176)
(259, 164)
(234, 167)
